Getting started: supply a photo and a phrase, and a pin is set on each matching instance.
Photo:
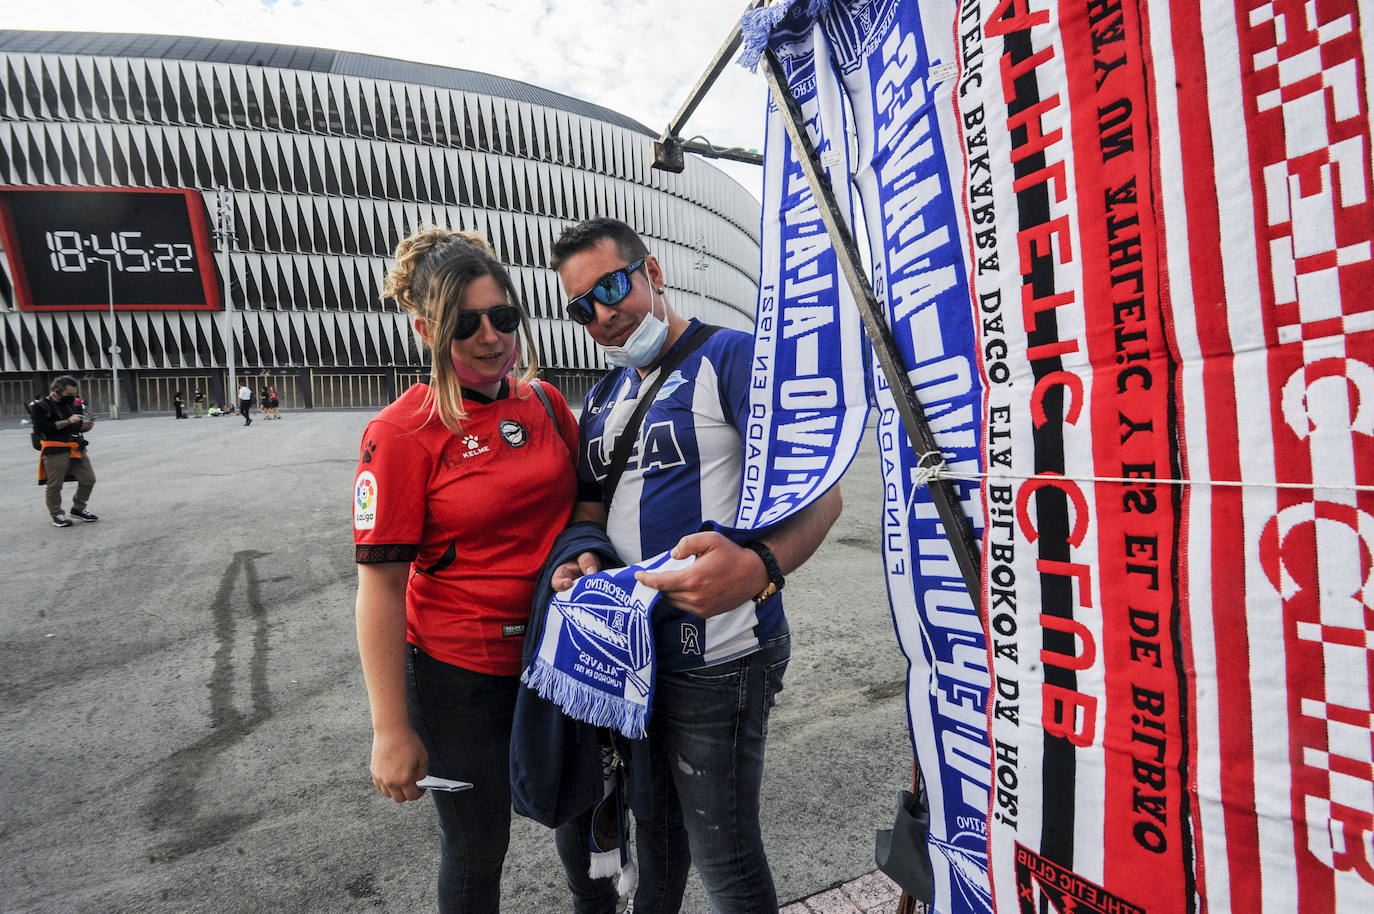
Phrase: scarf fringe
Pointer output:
(756, 27)
(605, 864)
(585, 702)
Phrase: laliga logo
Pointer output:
(365, 501)
(366, 494)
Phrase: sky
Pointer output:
(637, 57)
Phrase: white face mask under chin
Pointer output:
(642, 346)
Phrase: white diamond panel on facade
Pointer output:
(329, 159)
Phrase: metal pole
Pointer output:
(226, 227)
(957, 527)
(669, 148)
(114, 336)
(114, 340)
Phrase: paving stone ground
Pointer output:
(187, 670)
(871, 893)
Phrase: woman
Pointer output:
(463, 484)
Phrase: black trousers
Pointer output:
(464, 720)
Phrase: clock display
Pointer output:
(60, 239)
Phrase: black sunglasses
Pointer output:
(609, 290)
(505, 318)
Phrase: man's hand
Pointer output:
(566, 575)
(725, 575)
(88, 425)
(722, 577)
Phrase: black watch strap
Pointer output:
(770, 563)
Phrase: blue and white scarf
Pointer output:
(596, 655)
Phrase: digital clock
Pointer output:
(156, 243)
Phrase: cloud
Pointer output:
(623, 54)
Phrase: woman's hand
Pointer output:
(566, 575)
(398, 761)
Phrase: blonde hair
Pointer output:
(432, 272)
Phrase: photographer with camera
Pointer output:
(60, 422)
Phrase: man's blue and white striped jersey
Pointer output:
(685, 469)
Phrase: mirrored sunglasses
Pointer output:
(505, 318)
(610, 290)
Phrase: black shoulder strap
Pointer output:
(625, 443)
(544, 398)
(548, 407)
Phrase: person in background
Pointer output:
(245, 403)
(461, 488)
(179, 405)
(61, 426)
(273, 403)
(198, 403)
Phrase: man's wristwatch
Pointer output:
(770, 563)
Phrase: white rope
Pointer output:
(927, 472)
(923, 475)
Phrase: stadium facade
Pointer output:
(324, 160)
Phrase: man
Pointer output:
(60, 424)
(720, 636)
(198, 402)
(245, 403)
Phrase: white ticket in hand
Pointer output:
(430, 782)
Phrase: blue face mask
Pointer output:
(642, 346)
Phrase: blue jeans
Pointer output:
(706, 737)
(464, 720)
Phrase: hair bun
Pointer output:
(411, 255)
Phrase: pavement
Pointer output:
(871, 893)
(183, 723)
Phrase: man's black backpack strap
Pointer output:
(626, 442)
